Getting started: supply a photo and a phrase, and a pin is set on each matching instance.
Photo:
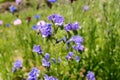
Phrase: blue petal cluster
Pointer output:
(77, 58)
(12, 8)
(72, 26)
(17, 65)
(45, 63)
(57, 19)
(52, 1)
(69, 56)
(78, 47)
(46, 77)
(33, 74)
(90, 76)
(37, 49)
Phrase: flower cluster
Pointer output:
(45, 60)
(72, 26)
(1, 22)
(52, 1)
(90, 76)
(12, 9)
(46, 77)
(37, 49)
(44, 28)
(70, 57)
(17, 65)
(56, 19)
(33, 74)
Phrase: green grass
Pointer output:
(100, 30)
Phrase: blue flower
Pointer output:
(46, 77)
(33, 74)
(69, 56)
(59, 59)
(47, 56)
(12, 8)
(72, 26)
(35, 27)
(77, 58)
(36, 16)
(17, 65)
(57, 19)
(32, 78)
(78, 47)
(37, 49)
(85, 8)
(46, 31)
(7, 25)
(52, 1)
(45, 63)
(53, 59)
(90, 75)
(77, 39)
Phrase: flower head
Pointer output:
(36, 16)
(77, 39)
(46, 31)
(45, 63)
(85, 8)
(53, 59)
(12, 8)
(57, 19)
(33, 74)
(72, 26)
(59, 59)
(52, 1)
(46, 77)
(7, 25)
(1, 22)
(17, 65)
(78, 47)
(47, 56)
(69, 56)
(18, 2)
(17, 22)
(77, 58)
(90, 76)
(37, 49)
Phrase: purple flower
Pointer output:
(77, 58)
(45, 63)
(53, 59)
(17, 65)
(59, 59)
(1, 22)
(78, 47)
(57, 19)
(72, 26)
(52, 1)
(44, 28)
(33, 74)
(77, 39)
(18, 2)
(69, 56)
(90, 76)
(36, 16)
(46, 31)
(32, 78)
(8, 25)
(85, 8)
(47, 56)
(37, 49)
(12, 8)
(35, 27)
(46, 77)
